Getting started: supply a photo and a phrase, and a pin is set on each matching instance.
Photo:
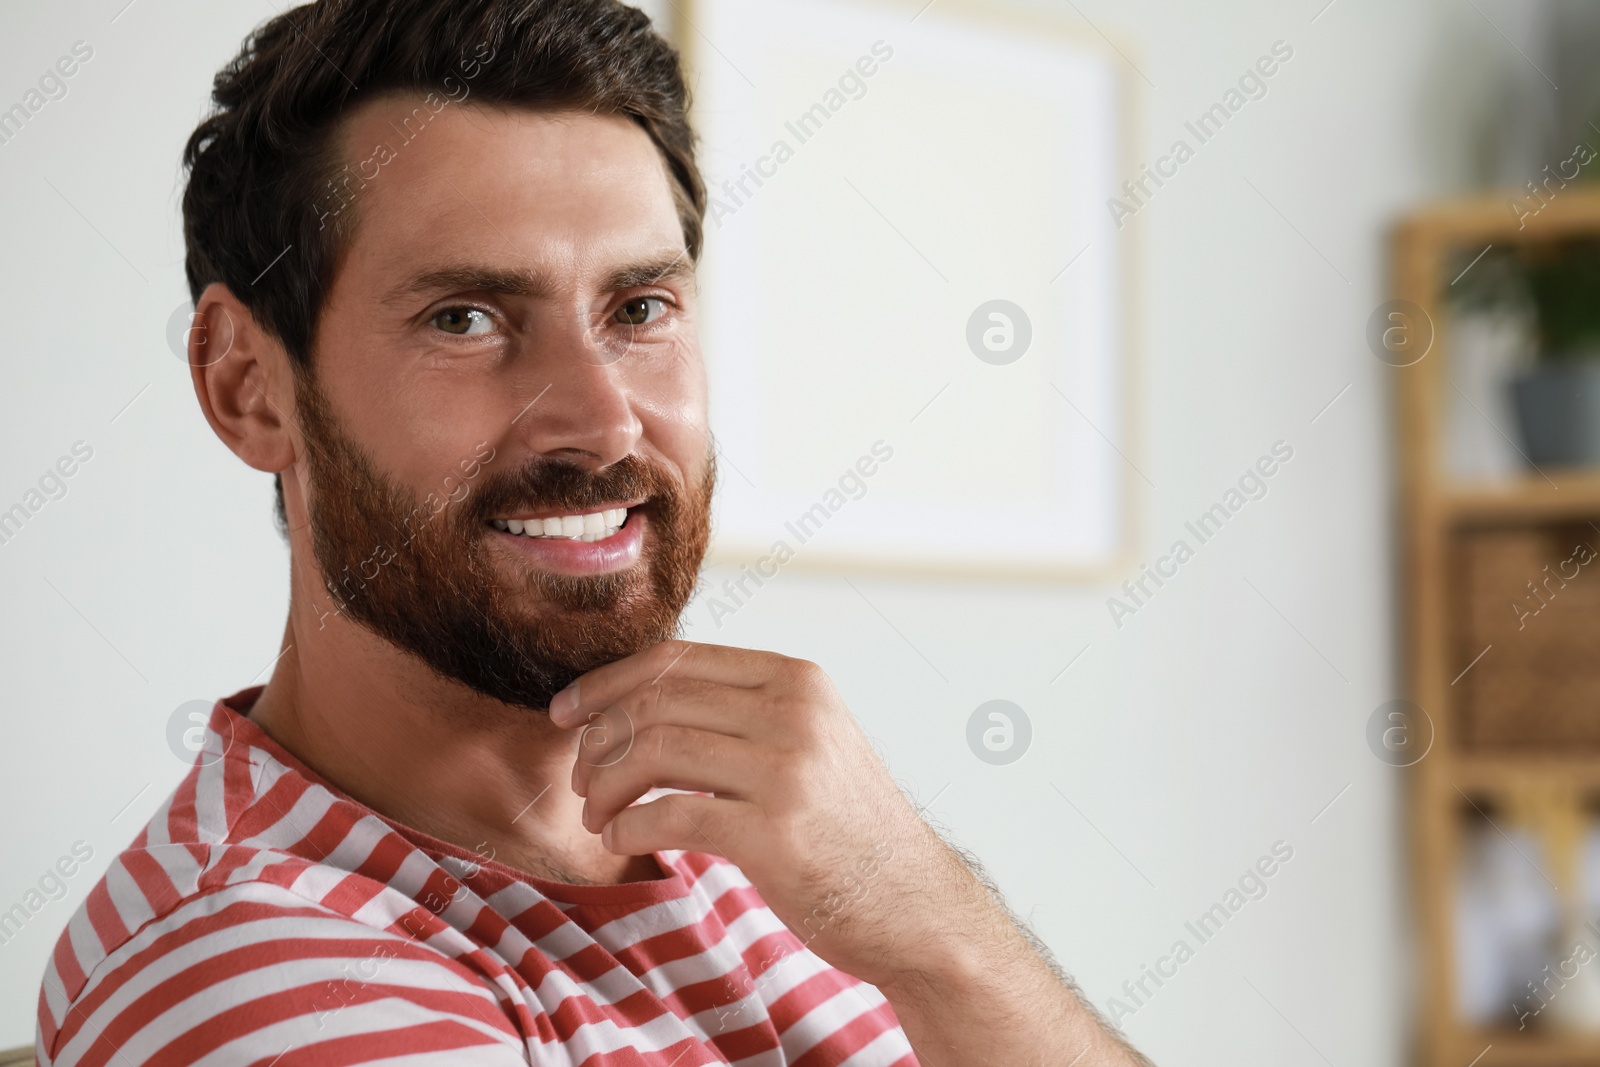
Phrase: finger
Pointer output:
(711, 663)
(673, 757)
(686, 702)
(692, 823)
(729, 709)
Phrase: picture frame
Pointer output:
(885, 248)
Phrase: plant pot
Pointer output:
(1558, 412)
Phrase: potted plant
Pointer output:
(1557, 400)
(1557, 397)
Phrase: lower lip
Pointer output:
(567, 556)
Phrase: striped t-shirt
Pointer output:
(264, 917)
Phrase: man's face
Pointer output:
(509, 341)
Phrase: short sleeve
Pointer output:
(258, 975)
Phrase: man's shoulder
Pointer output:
(231, 944)
(198, 860)
(227, 893)
(154, 896)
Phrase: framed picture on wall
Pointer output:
(913, 303)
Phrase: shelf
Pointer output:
(1560, 492)
(1572, 212)
(1509, 1048)
(1505, 771)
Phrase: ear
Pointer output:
(243, 381)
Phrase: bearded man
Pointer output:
(488, 810)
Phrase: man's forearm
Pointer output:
(986, 995)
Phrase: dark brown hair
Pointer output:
(262, 168)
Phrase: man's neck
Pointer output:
(430, 753)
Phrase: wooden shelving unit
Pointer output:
(1437, 514)
(1568, 494)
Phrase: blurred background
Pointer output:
(1326, 793)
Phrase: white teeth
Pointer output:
(592, 526)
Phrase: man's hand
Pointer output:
(799, 801)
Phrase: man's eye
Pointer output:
(463, 321)
(641, 311)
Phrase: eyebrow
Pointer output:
(512, 281)
(522, 281)
(651, 272)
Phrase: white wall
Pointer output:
(1221, 718)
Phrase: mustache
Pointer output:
(563, 485)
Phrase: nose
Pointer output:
(585, 408)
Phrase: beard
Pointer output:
(420, 574)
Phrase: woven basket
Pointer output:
(1538, 685)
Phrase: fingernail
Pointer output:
(605, 836)
(564, 703)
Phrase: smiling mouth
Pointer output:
(584, 526)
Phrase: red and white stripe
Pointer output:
(263, 917)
